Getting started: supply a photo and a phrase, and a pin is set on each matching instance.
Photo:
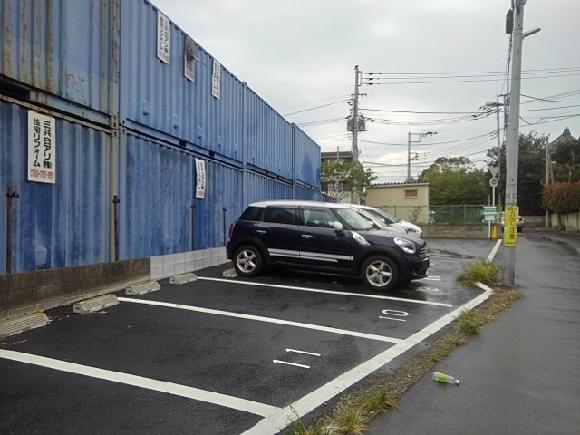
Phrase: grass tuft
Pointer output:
(469, 322)
(348, 419)
(480, 271)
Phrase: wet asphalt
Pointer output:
(220, 353)
(521, 374)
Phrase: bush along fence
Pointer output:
(563, 202)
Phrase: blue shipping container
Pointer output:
(307, 159)
(267, 137)
(61, 224)
(261, 188)
(307, 193)
(157, 196)
(63, 47)
(157, 95)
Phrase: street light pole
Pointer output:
(511, 190)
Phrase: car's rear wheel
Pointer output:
(380, 273)
(248, 261)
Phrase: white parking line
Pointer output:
(429, 278)
(282, 418)
(303, 352)
(328, 292)
(493, 252)
(138, 381)
(304, 366)
(263, 319)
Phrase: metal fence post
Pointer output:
(225, 210)
(11, 194)
(116, 202)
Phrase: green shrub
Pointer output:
(562, 197)
(480, 271)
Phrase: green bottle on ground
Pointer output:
(445, 379)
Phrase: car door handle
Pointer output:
(261, 231)
(307, 236)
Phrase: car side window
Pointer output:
(318, 217)
(280, 215)
(252, 214)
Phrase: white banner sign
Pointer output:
(163, 37)
(215, 79)
(41, 148)
(189, 59)
(201, 178)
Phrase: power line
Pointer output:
(477, 73)
(434, 143)
(315, 108)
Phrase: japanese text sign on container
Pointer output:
(41, 148)
(511, 226)
(201, 178)
(215, 79)
(163, 37)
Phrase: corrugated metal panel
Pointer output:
(65, 224)
(157, 194)
(158, 96)
(260, 188)
(224, 189)
(60, 46)
(306, 193)
(268, 136)
(307, 159)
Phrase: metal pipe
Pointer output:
(225, 210)
(11, 194)
(116, 202)
(193, 213)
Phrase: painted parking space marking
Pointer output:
(329, 329)
(386, 314)
(302, 352)
(429, 278)
(330, 292)
(304, 366)
(282, 418)
(227, 401)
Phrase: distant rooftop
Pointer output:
(333, 155)
(396, 184)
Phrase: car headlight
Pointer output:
(360, 239)
(406, 245)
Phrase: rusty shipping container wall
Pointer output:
(307, 159)
(268, 137)
(62, 47)
(158, 207)
(61, 224)
(157, 96)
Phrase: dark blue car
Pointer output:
(323, 236)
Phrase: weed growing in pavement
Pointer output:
(469, 322)
(299, 428)
(348, 419)
(375, 401)
(480, 271)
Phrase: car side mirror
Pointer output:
(337, 226)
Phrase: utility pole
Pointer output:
(355, 116)
(511, 189)
(546, 181)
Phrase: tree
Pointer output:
(531, 171)
(565, 151)
(344, 177)
(455, 181)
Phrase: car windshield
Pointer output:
(377, 222)
(353, 220)
(383, 215)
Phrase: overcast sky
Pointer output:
(300, 54)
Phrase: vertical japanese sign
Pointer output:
(163, 37)
(189, 59)
(41, 148)
(201, 178)
(215, 79)
(510, 233)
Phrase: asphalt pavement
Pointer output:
(223, 355)
(521, 374)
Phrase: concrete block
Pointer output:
(93, 305)
(183, 279)
(21, 324)
(141, 289)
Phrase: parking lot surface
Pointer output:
(222, 354)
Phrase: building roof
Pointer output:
(564, 137)
(332, 155)
(401, 184)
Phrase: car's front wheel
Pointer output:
(248, 261)
(380, 273)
